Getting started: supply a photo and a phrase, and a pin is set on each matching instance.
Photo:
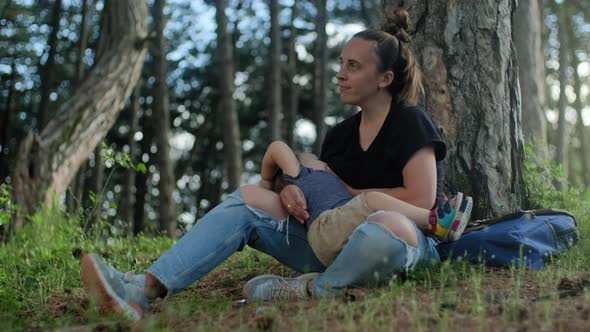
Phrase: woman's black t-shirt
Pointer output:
(405, 130)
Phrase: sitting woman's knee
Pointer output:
(398, 224)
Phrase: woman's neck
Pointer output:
(375, 111)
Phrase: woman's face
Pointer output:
(359, 78)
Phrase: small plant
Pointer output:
(114, 160)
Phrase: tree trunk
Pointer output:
(139, 210)
(276, 100)
(6, 123)
(47, 69)
(129, 184)
(231, 129)
(141, 179)
(47, 162)
(97, 187)
(368, 13)
(77, 187)
(531, 70)
(581, 129)
(561, 142)
(167, 183)
(320, 77)
(291, 113)
(470, 77)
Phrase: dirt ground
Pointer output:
(503, 302)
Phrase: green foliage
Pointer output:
(541, 177)
(7, 207)
(118, 158)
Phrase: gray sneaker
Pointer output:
(269, 287)
(114, 290)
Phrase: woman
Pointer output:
(389, 147)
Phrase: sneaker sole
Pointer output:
(463, 216)
(95, 284)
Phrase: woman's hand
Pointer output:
(294, 203)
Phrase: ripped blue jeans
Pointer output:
(373, 254)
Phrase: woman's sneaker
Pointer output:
(114, 291)
(269, 287)
(447, 222)
(462, 218)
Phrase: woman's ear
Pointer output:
(386, 79)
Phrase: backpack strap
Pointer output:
(476, 225)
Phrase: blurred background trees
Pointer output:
(223, 93)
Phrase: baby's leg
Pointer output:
(263, 199)
(381, 201)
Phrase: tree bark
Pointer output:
(276, 100)
(526, 34)
(47, 162)
(77, 188)
(561, 141)
(232, 149)
(291, 112)
(47, 68)
(320, 77)
(167, 183)
(470, 77)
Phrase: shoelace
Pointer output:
(285, 290)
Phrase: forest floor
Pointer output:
(40, 290)
(456, 297)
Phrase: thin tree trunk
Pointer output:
(561, 143)
(581, 129)
(141, 179)
(291, 113)
(77, 187)
(47, 68)
(531, 69)
(320, 77)
(367, 13)
(139, 210)
(470, 76)
(167, 183)
(97, 186)
(6, 123)
(276, 101)
(47, 162)
(129, 185)
(231, 129)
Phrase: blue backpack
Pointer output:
(530, 238)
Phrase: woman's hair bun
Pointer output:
(397, 23)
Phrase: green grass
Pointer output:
(40, 282)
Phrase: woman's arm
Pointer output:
(419, 174)
(278, 156)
